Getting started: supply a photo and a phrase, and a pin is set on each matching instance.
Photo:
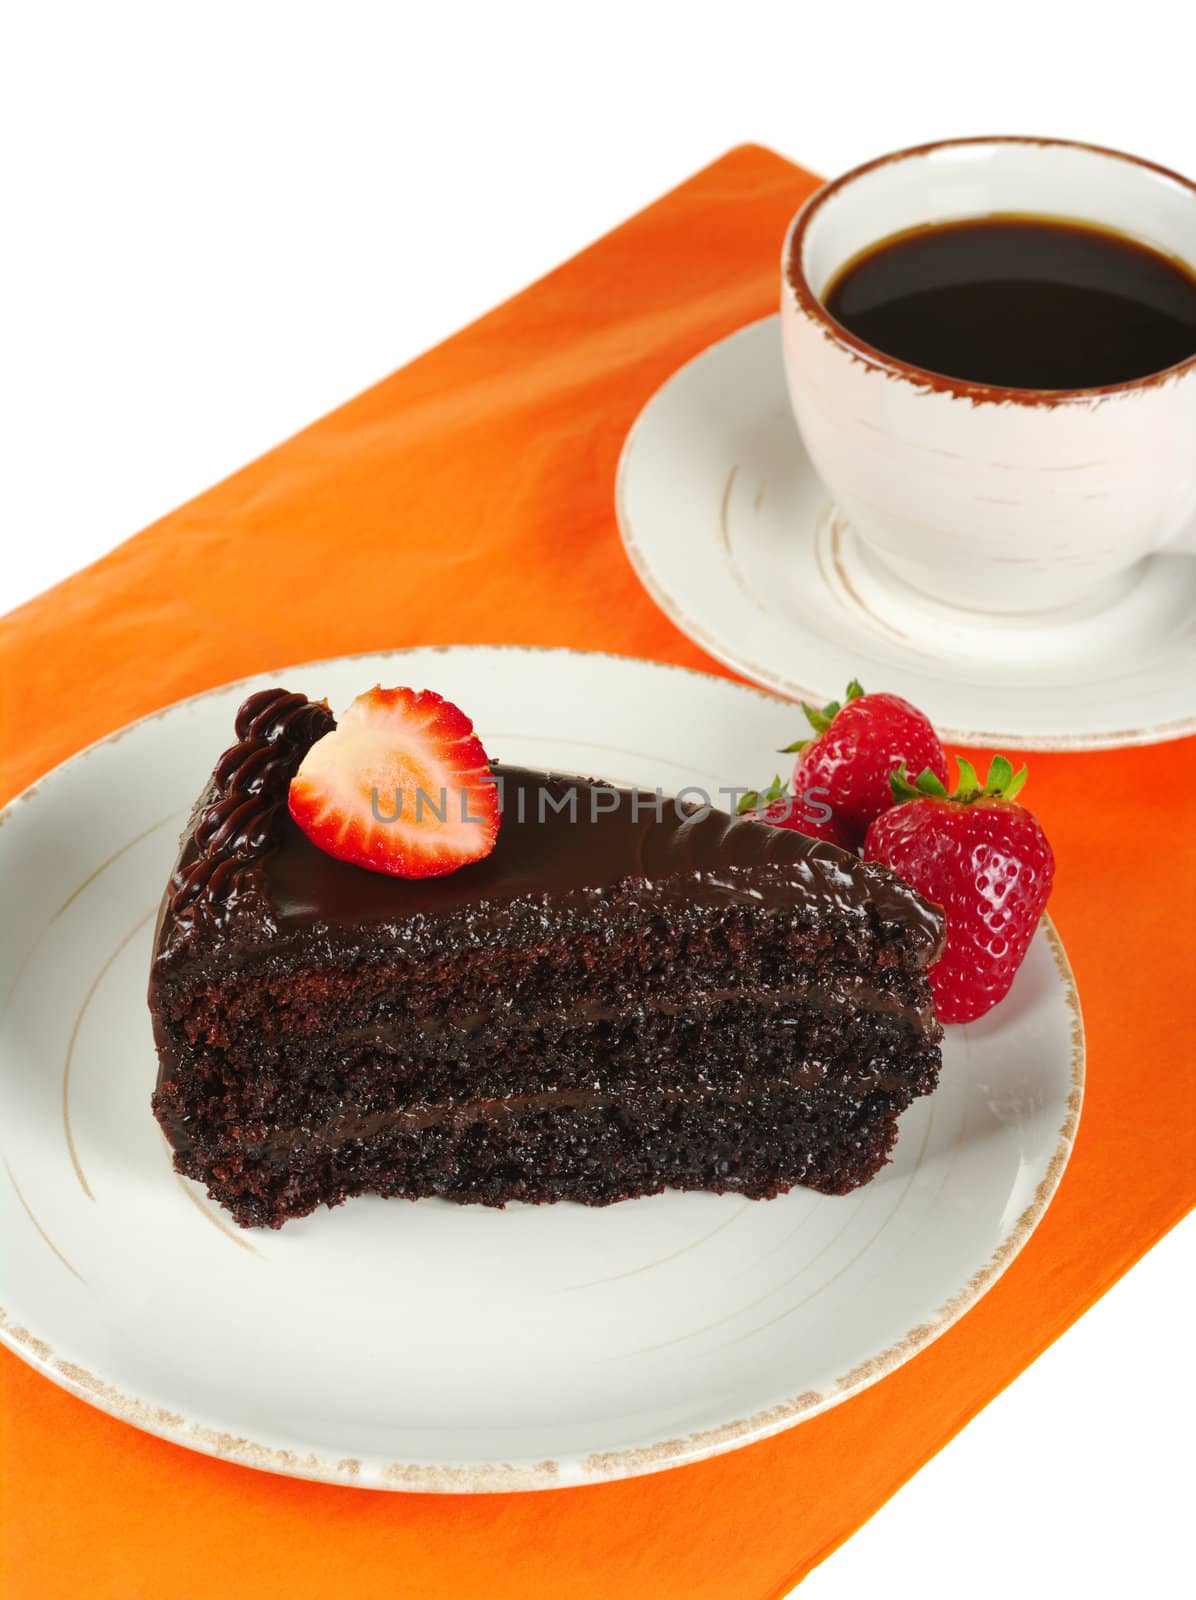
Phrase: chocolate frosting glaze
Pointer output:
(247, 876)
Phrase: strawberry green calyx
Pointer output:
(820, 721)
(924, 786)
(760, 799)
(1002, 783)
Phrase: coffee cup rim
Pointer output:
(796, 284)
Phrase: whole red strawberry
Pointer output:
(986, 861)
(782, 809)
(857, 746)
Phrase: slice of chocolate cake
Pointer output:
(626, 994)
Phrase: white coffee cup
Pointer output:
(987, 498)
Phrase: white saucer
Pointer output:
(428, 1346)
(734, 537)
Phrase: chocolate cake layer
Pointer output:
(325, 1031)
(590, 1153)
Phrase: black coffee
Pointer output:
(1022, 302)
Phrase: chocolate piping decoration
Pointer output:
(236, 822)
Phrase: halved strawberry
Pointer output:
(402, 786)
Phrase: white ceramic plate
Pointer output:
(429, 1346)
(734, 537)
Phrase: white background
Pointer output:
(219, 221)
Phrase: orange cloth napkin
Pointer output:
(468, 498)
